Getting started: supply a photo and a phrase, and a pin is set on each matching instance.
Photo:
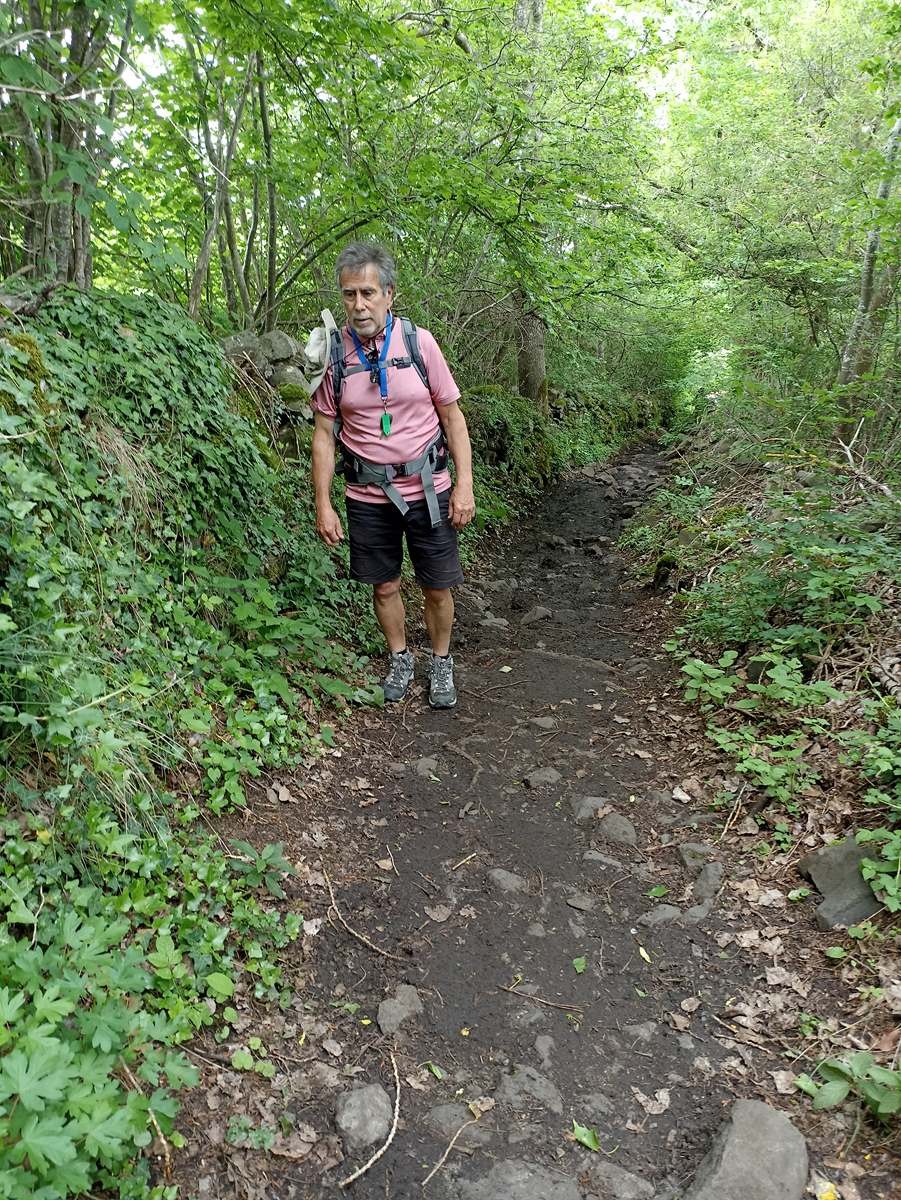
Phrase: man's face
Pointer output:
(365, 301)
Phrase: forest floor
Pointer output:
(570, 928)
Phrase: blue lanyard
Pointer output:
(380, 368)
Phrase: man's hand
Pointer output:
(462, 506)
(328, 526)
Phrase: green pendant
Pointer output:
(386, 423)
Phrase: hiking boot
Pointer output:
(400, 675)
(442, 693)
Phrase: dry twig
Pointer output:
(444, 1157)
(573, 1008)
(359, 936)
(378, 1154)
(167, 1154)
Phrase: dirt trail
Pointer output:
(526, 830)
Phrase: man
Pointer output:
(395, 401)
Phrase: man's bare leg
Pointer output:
(439, 618)
(389, 611)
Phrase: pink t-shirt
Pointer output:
(414, 420)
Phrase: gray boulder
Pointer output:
(619, 829)
(835, 872)
(757, 1155)
(506, 881)
(278, 346)
(446, 1119)
(694, 855)
(363, 1116)
(246, 343)
(543, 777)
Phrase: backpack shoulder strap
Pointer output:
(336, 360)
(411, 341)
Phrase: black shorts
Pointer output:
(376, 533)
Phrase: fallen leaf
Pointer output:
(417, 1082)
(585, 1136)
(784, 1081)
(468, 911)
(579, 964)
(384, 864)
(653, 1106)
(679, 1022)
(483, 1104)
(681, 795)
(644, 954)
(621, 720)
(330, 1046)
(439, 913)
(690, 1004)
(312, 927)
(505, 670)
(285, 797)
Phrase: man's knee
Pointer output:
(385, 591)
(436, 596)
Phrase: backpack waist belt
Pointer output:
(362, 471)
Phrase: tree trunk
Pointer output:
(861, 325)
(270, 310)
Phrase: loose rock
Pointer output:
(426, 767)
(694, 855)
(617, 828)
(757, 1155)
(524, 1086)
(581, 902)
(446, 1119)
(538, 613)
(543, 777)
(395, 1010)
(516, 1180)
(708, 882)
(363, 1116)
(835, 872)
(585, 808)
(545, 1047)
(661, 914)
(507, 881)
(543, 722)
(607, 1180)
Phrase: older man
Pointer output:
(389, 400)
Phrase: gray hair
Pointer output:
(359, 255)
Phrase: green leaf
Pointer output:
(220, 985)
(831, 1094)
(579, 964)
(658, 890)
(242, 1060)
(835, 952)
(437, 1071)
(37, 1078)
(800, 893)
(585, 1136)
(44, 1140)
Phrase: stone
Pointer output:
(835, 872)
(289, 376)
(446, 1119)
(491, 622)
(397, 768)
(278, 346)
(608, 1181)
(506, 881)
(757, 1155)
(596, 1106)
(538, 613)
(516, 1180)
(238, 344)
(363, 1116)
(697, 913)
(426, 767)
(524, 1131)
(544, 1048)
(694, 855)
(709, 881)
(603, 860)
(398, 1008)
(536, 930)
(543, 722)
(617, 828)
(519, 1180)
(543, 777)
(581, 902)
(585, 808)
(526, 1086)
(660, 914)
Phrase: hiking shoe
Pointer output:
(442, 693)
(400, 675)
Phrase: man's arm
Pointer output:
(328, 524)
(462, 502)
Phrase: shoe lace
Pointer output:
(442, 672)
(397, 669)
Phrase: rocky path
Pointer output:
(563, 947)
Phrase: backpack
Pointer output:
(340, 369)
